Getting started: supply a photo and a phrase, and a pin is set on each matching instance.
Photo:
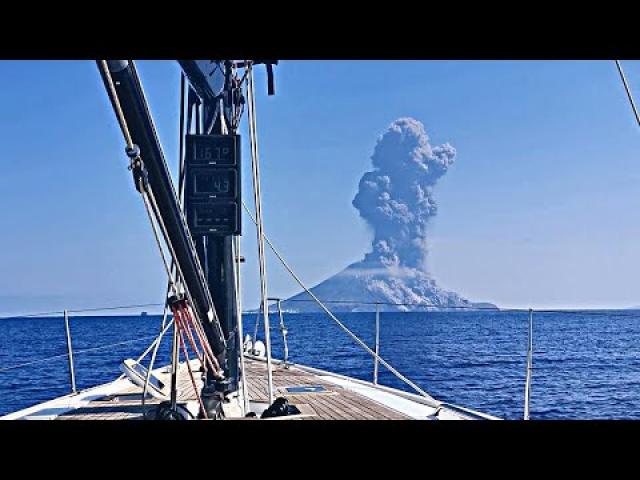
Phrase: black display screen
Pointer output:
(215, 218)
(213, 185)
(212, 149)
(216, 183)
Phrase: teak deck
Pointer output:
(334, 403)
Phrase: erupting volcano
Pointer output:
(396, 200)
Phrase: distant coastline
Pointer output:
(310, 306)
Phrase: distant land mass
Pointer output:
(358, 287)
(396, 201)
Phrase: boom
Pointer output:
(138, 118)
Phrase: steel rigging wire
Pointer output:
(628, 90)
(255, 169)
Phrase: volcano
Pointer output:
(396, 201)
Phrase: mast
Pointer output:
(128, 100)
(200, 238)
(213, 186)
(212, 172)
(143, 134)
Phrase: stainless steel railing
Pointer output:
(72, 373)
(283, 331)
(527, 386)
(376, 351)
(69, 343)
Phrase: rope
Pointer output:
(255, 330)
(605, 312)
(113, 96)
(156, 235)
(335, 319)
(95, 349)
(147, 195)
(208, 352)
(130, 146)
(628, 90)
(180, 273)
(175, 284)
(193, 380)
(99, 309)
(163, 330)
(83, 310)
(175, 263)
(186, 328)
(165, 312)
(181, 146)
(237, 111)
(156, 346)
(236, 275)
(5, 369)
(185, 320)
(255, 164)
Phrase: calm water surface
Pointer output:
(585, 365)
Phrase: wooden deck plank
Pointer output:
(344, 405)
(336, 403)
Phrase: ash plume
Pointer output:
(396, 197)
(396, 200)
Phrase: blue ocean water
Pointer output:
(586, 365)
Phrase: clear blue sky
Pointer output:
(541, 208)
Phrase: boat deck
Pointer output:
(334, 403)
(329, 402)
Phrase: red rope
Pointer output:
(186, 322)
(193, 380)
(192, 343)
(187, 325)
(203, 341)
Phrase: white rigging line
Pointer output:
(165, 313)
(243, 370)
(153, 213)
(335, 319)
(155, 345)
(255, 167)
(628, 90)
(235, 248)
(116, 103)
(147, 196)
(163, 330)
(156, 235)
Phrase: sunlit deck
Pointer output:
(333, 403)
(318, 395)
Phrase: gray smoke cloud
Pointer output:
(396, 197)
(396, 200)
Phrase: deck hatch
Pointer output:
(306, 389)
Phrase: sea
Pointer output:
(586, 365)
